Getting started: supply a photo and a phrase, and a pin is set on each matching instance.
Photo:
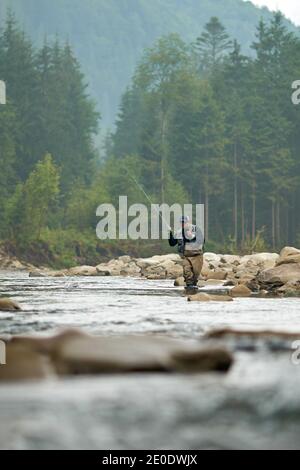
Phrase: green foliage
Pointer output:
(212, 45)
(33, 202)
(228, 138)
(52, 112)
(7, 159)
(109, 35)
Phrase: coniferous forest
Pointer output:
(109, 36)
(200, 123)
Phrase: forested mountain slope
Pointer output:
(110, 35)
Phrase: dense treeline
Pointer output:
(200, 123)
(109, 35)
(46, 137)
(220, 128)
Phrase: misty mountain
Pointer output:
(109, 35)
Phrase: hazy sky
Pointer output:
(291, 8)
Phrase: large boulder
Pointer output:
(112, 268)
(103, 271)
(252, 265)
(261, 259)
(280, 275)
(8, 305)
(202, 297)
(126, 259)
(173, 270)
(289, 255)
(131, 269)
(95, 355)
(24, 363)
(290, 289)
(289, 251)
(158, 260)
(83, 271)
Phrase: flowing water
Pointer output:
(255, 405)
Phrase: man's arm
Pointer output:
(172, 241)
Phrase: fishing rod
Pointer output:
(149, 199)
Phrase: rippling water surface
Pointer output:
(256, 405)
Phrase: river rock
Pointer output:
(289, 251)
(83, 271)
(246, 271)
(179, 282)
(230, 259)
(212, 257)
(212, 282)
(154, 273)
(125, 259)
(202, 297)
(280, 275)
(173, 270)
(251, 341)
(8, 305)
(267, 260)
(48, 344)
(131, 269)
(228, 333)
(246, 280)
(23, 363)
(205, 360)
(205, 269)
(290, 289)
(289, 255)
(240, 291)
(102, 271)
(289, 260)
(157, 260)
(217, 275)
(49, 273)
(38, 273)
(96, 355)
(113, 267)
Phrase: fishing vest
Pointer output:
(190, 246)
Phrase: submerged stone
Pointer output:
(202, 297)
(8, 305)
(73, 352)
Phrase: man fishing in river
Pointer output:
(190, 241)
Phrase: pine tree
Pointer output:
(18, 71)
(212, 45)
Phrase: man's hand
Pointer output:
(189, 235)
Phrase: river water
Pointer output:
(255, 405)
